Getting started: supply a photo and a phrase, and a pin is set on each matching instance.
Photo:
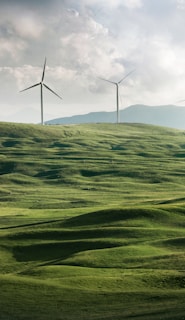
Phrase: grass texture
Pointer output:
(92, 222)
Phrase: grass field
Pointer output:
(92, 222)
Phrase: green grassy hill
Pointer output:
(92, 222)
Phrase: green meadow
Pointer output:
(92, 222)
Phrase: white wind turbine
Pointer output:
(41, 84)
(117, 90)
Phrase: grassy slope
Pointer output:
(92, 222)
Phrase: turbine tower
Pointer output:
(117, 91)
(41, 84)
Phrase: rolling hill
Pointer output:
(168, 116)
(92, 222)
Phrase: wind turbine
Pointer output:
(41, 84)
(117, 90)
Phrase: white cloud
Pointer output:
(132, 4)
(18, 27)
(28, 27)
(20, 22)
(73, 12)
(102, 3)
(113, 3)
(91, 38)
(11, 48)
(181, 4)
(90, 49)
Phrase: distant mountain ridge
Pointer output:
(167, 115)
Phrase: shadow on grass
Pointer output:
(29, 224)
(106, 217)
(57, 250)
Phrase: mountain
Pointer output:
(167, 116)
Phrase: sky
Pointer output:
(84, 41)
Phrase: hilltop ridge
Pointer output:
(168, 115)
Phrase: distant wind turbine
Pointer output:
(117, 90)
(41, 84)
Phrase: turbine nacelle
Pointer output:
(117, 89)
(41, 84)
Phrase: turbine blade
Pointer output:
(43, 73)
(35, 85)
(128, 74)
(51, 90)
(108, 80)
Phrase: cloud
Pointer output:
(18, 28)
(180, 4)
(110, 4)
(90, 48)
(132, 4)
(28, 27)
(88, 39)
(21, 77)
(20, 22)
(11, 48)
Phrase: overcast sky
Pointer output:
(83, 41)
